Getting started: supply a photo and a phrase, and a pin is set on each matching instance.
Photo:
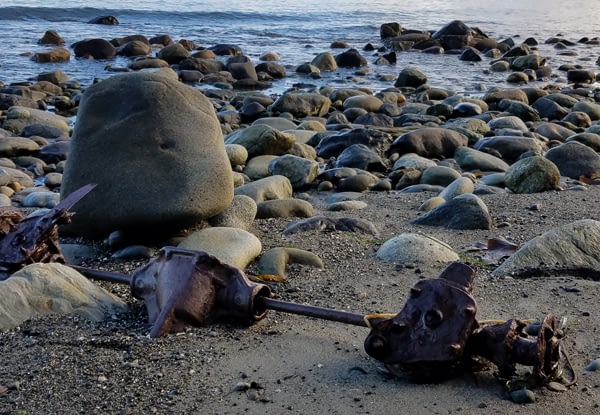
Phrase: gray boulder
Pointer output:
(571, 248)
(302, 104)
(532, 175)
(155, 149)
(471, 159)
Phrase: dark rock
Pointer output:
(465, 211)
(430, 142)
(574, 160)
(350, 59)
(105, 20)
(94, 48)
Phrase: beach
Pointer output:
(299, 169)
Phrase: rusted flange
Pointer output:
(182, 287)
(426, 340)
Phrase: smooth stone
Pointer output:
(261, 139)
(439, 175)
(459, 186)
(53, 180)
(411, 248)
(17, 118)
(17, 146)
(284, 208)
(302, 104)
(523, 396)
(590, 108)
(233, 246)
(360, 156)
(5, 200)
(52, 288)
(419, 188)
(510, 147)
(413, 160)
(346, 205)
(593, 366)
(275, 261)
(553, 131)
(511, 122)
(300, 171)
(268, 188)
(78, 254)
(465, 211)
(278, 123)
(325, 61)
(431, 203)
(429, 142)
(343, 197)
(303, 150)
(410, 77)
(333, 145)
(258, 167)
(321, 223)
(494, 179)
(239, 214)
(369, 103)
(532, 175)
(41, 199)
(302, 136)
(237, 154)
(574, 160)
(574, 247)
(133, 252)
(358, 183)
(471, 159)
(136, 189)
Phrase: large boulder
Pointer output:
(155, 148)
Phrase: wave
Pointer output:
(84, 14)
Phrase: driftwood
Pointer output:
(35, 239)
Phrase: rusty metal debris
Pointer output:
(434, 337)
(35, 239)
(182, 287)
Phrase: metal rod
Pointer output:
(102, 275)
(313, 311)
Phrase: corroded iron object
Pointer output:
(183, 287)
(427, 339)
(506, 345)
(35, 239)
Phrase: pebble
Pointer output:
(523, 396)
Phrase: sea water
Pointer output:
(296, 30)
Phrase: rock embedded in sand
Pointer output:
(465, 211)
(574, 247)
(284, 208)
(412, 248)
(157, 169)
(53, 288)
(574, 160)
(233, 246)
(275, 260)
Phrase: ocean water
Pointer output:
(297, 30)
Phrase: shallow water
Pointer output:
(296, 30)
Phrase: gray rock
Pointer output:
(411, 248)
(359, 183)
(459, 186)
(589, 139)
(78, 254)
(431, 203)
(471, 159)
(369, 103)
(590, 108)
(430, 142)
(302, 104)
(284, 208)
(414, 161)
(5, 200)
(466, 211)
(269, 188)
(439, 175)
(532, 175)
(274, 261)
(261, 139)
(360, 156)
(17, 146)
(278, 123)
(523, 396)
(239, 214)
(233, 246)
(547, 108)
(16, 176)
(553, 131)
(300, 171)
(53, 288)
(410, 77)
(510, 147)
(573, 248)
(511, 122)
(133, 252)
(182, 175)
(325, 62)
(346, 205)
(237, 154)
(41, 199)
(574, 159)
(258, 167)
